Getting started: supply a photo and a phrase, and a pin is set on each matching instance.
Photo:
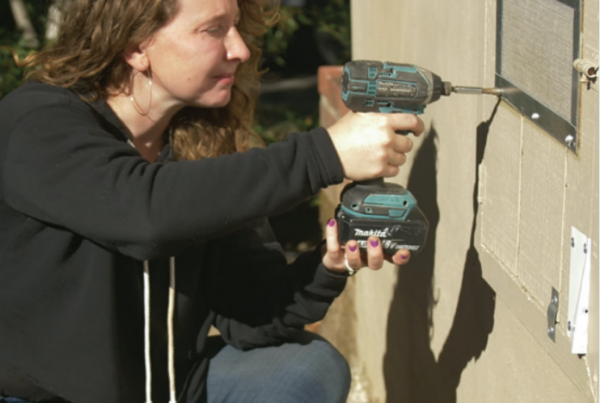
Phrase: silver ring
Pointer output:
(351, 271)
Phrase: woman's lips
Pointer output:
(225, 79)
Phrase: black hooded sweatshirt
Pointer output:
(80, 211)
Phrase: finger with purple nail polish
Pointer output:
(375, 254)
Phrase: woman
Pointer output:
(126, 200)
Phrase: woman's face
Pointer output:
(194, 57)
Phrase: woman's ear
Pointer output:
(136, 56)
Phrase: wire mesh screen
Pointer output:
(537, 50)
(536, 45)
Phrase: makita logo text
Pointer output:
(380, 233)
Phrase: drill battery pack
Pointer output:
(385, 210)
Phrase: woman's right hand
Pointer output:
(368, 146)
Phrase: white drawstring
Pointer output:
(171, 341)
(147, 332)
(171, 310)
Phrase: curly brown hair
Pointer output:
(88, 57)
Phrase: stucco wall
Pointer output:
(466, 320)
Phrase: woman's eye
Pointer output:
(214, 30)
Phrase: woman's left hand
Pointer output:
(334, 256)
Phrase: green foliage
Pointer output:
(333, 18)
(323, 26)
(329, 17)
(275, 129)
(11, 76)
(277, 38)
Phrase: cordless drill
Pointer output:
(374, 207)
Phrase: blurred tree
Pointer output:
(328, 23)
(309, 34)
(22, 29)
(21, 17)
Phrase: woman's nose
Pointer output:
(236, 47)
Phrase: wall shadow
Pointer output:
(412, 372)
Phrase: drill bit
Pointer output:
(479, 90)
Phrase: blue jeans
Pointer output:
(305, 370)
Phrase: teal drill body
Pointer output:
(374, 207)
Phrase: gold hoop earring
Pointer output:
(132, 97)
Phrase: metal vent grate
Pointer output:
(537, 42)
